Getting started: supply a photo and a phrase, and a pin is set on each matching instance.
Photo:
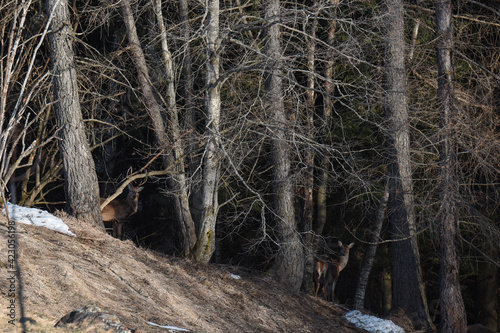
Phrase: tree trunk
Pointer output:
(80, 178)
(451, 303)
(187, 65)
(156, 113)
(290, 261)
(210, 204)
(190, 119)
(408, 287)
(308, 207)
(177, 181)
(322, 195)
(369, 257)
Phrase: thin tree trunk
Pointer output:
(206, 240)
(157, 113)
(81, 187)
(408, 287)
(190, 119)
(177, 181)
(308, 208)
(452, 307)
(321, 196)
(289, 267)
(369, 257)
(187, 63)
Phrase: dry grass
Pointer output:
(60, 273)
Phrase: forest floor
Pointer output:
(61, 273)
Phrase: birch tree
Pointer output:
(205, 246)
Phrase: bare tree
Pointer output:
(408, 287)
(290, 260)
(157, 114)
(177, 181)
(452, 307)
(369, 257)
(308, 178)
(81, 187)
(14, 124)
(205, 246)
(322, 192)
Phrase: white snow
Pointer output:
(372, 323)
(37, 217)
(171, 328)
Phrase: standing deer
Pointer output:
(319, 277)
(118, 211)
(326, 274)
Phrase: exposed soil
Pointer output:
(60, 273)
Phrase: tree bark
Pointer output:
(369, 257)
(80, 178)
(156, 112)
(210, 205)
(193, 151)
(408, 287)
(187, 65)
(289, 266)
(308, 186)
(177, 181)
(322, 193)
(453, 317)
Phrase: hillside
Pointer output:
(61, 273)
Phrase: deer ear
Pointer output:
(139, 189)
(340, 243)
(351, 245)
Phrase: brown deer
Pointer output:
(319, 277)
(118, 211)
(326, 274)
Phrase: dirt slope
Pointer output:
(61, 273)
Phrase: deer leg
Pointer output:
(315, 283)
(120, 230)
(318, 287)
(333, 287)
(117, 229)
(326, 291)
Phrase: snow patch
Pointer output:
(36, 217)
(170, 328)
(372, 323)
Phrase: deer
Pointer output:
(327, 273)
(118, 211)
(319, 274)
